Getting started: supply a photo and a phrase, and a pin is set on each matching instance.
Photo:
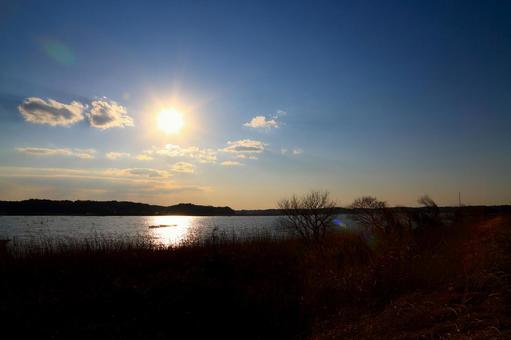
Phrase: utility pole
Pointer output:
(459, 198)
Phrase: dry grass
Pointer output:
(438, 282)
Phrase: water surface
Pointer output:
(173, 230)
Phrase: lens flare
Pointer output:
(59, 52)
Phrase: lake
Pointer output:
(166, 230)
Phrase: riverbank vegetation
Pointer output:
(439, 279)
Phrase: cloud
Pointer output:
(117, 155)
(266, 122)
(84, 153)
(297, 151)
(113, 174)
(151, 185)
(245, 146)
(144, 157)
(146, 172)
(231, 163)
(106, 114)
(183, 167)
(77, 153)
(243, 156)
(243, 149)
(51, 112)
(261, 122)
(294, 152)
(193, 152)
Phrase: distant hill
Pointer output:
(106, 208)
(122, 208)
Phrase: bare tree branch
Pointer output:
(369, 213)
(310, 215)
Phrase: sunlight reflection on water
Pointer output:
(165, 230)
(171, 230)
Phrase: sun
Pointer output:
(170, 121)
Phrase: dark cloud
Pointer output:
(51, 112)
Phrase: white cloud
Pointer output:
(84, 153)
(297, 151)
(106, 114)
(145, 172)
(193, 152)
(242, 149)
(183, 167)
(77, 153)
(231, 163)
(243, 156)
(266, 122)
(261, 122)
(245, 146)
(144, 157)
(51, 112)
(117, 155)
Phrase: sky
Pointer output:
(394, 99)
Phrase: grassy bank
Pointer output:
(446, 281)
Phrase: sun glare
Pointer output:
(170, 121)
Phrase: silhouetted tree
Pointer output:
(392, 226)
(310, 215)
(429, 215)
(369, 213)
(427, 202)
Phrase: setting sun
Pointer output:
(170, 121)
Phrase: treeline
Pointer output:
(106, 208)
(476, 209)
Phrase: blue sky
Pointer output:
(395, 99)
